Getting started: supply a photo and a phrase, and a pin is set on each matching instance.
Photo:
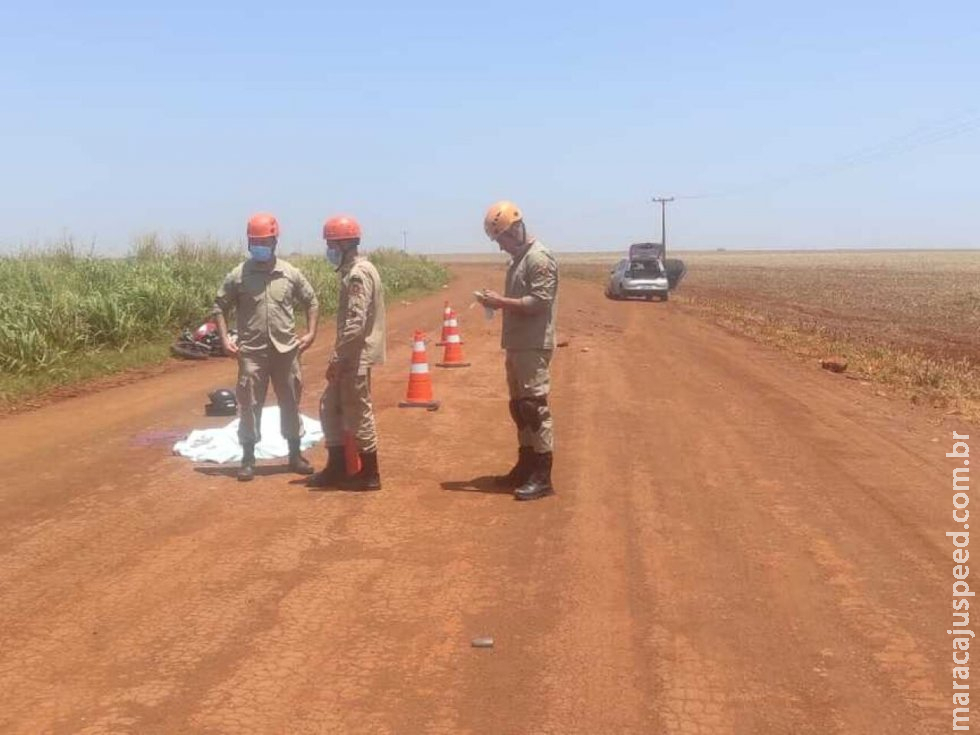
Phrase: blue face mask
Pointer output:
(335, 257)
(260, 253)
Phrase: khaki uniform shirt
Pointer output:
(533, 273)
(360, 316)
(263, 302)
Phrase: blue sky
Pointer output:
(122, 118)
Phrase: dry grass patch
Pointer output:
(908, 321)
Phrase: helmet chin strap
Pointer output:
(523, 237)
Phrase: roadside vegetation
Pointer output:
(68, 315)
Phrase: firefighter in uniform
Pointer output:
(529, 304)
(263, 291)
(345, 407)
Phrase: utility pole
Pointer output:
(663, 219)
(404, 241)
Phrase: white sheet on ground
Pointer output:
(221, 445)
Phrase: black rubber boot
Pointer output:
(539, 483)
(520, 472)
(368, 478)
(247, 471)
(333, 473)
(298, 463)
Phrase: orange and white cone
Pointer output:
(452, 357)
(419, 379)
(447, 314)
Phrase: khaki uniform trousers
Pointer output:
(529, 383)
(345, 406)
(255, 370)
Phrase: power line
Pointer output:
(919, 137)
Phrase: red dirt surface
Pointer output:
(739, 544)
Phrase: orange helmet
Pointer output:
(263, 225)
(341, 227)
(500, 217)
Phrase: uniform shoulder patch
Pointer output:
(540, 268)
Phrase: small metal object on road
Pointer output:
(483, 641)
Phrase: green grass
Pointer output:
(68, 316)
(19, 390)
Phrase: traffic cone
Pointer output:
(454, 324)
(447, 314)
(352, 458)
(419, 380)
(452, 357)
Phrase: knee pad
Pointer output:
(533, 411)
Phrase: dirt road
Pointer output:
(740, 543)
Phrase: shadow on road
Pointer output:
(482, 484)
(232, 471)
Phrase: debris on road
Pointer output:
(483, 641)
(835, 364)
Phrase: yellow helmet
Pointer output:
(500, 217)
